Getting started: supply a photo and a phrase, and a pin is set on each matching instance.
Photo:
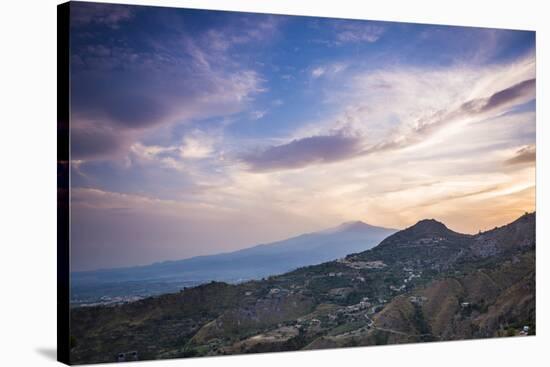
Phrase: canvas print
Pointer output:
(235, 183)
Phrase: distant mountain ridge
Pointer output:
(250, 263)
(354, 226)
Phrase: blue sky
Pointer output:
(197, 132)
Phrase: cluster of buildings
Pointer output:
(107, 301)
(410, 275)
(358, 265)
(397, 289)
(358, 311)
(429, 240)
(313, 323)
(362, 305)
(418, 300)
(278, 292)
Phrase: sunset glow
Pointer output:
(198, 132)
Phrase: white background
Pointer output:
(28, 182)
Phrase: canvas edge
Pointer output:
(63, 168)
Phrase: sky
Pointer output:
(199, 132)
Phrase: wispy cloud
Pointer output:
(256, 115)
(317, 72)
(332, 70)
(517, 93)
(357, 31)
(110, 15)
(244, 30)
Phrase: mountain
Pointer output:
(425, 283)
(251, 263)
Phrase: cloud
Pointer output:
(330, 148)
(527, 154)
(110, 15)
(399, 108)
(240, 30)
(426, 126)
(351, 31)
(195, 146)
(317, 72)
(512, 94)
(455, 196)
(303, 152)
(94, 140)
(416, 104)
(165, 157)
(341, 32)
(328, 70)
(257, 115)
(119, 93)
(140, 99)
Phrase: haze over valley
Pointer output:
(129, 284)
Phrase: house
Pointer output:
(418, 299)
(397, 289)
(315, 323)
(524, 331)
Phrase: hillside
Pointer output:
(424, 283)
